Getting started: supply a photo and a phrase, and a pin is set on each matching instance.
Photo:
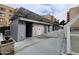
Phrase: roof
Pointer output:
(24, 13)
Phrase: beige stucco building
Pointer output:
(50, 18)
(72, 12)
(5, 14)
(72, 31)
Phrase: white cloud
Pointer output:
(59, 10)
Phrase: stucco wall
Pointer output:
(14, 29)
(50, 28)
(76, 23)
(17, 30)
(73, 12)
(37, 29)
(21, 31)
(45, 28)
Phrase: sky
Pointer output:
(58, 10)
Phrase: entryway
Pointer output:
(28, 29)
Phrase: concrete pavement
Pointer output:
(46, 44)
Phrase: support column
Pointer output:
(68, 40)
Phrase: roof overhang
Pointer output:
(34, 21)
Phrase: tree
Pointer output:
(62, 22)
(56, 25)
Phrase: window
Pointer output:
(2, 9)
(2, 14)
(1, 19)
(10, 11)
(10, 15)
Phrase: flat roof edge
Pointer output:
(34, 21)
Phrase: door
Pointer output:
(28, 29)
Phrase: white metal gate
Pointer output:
(72, 36)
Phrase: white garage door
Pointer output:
(38, 29)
